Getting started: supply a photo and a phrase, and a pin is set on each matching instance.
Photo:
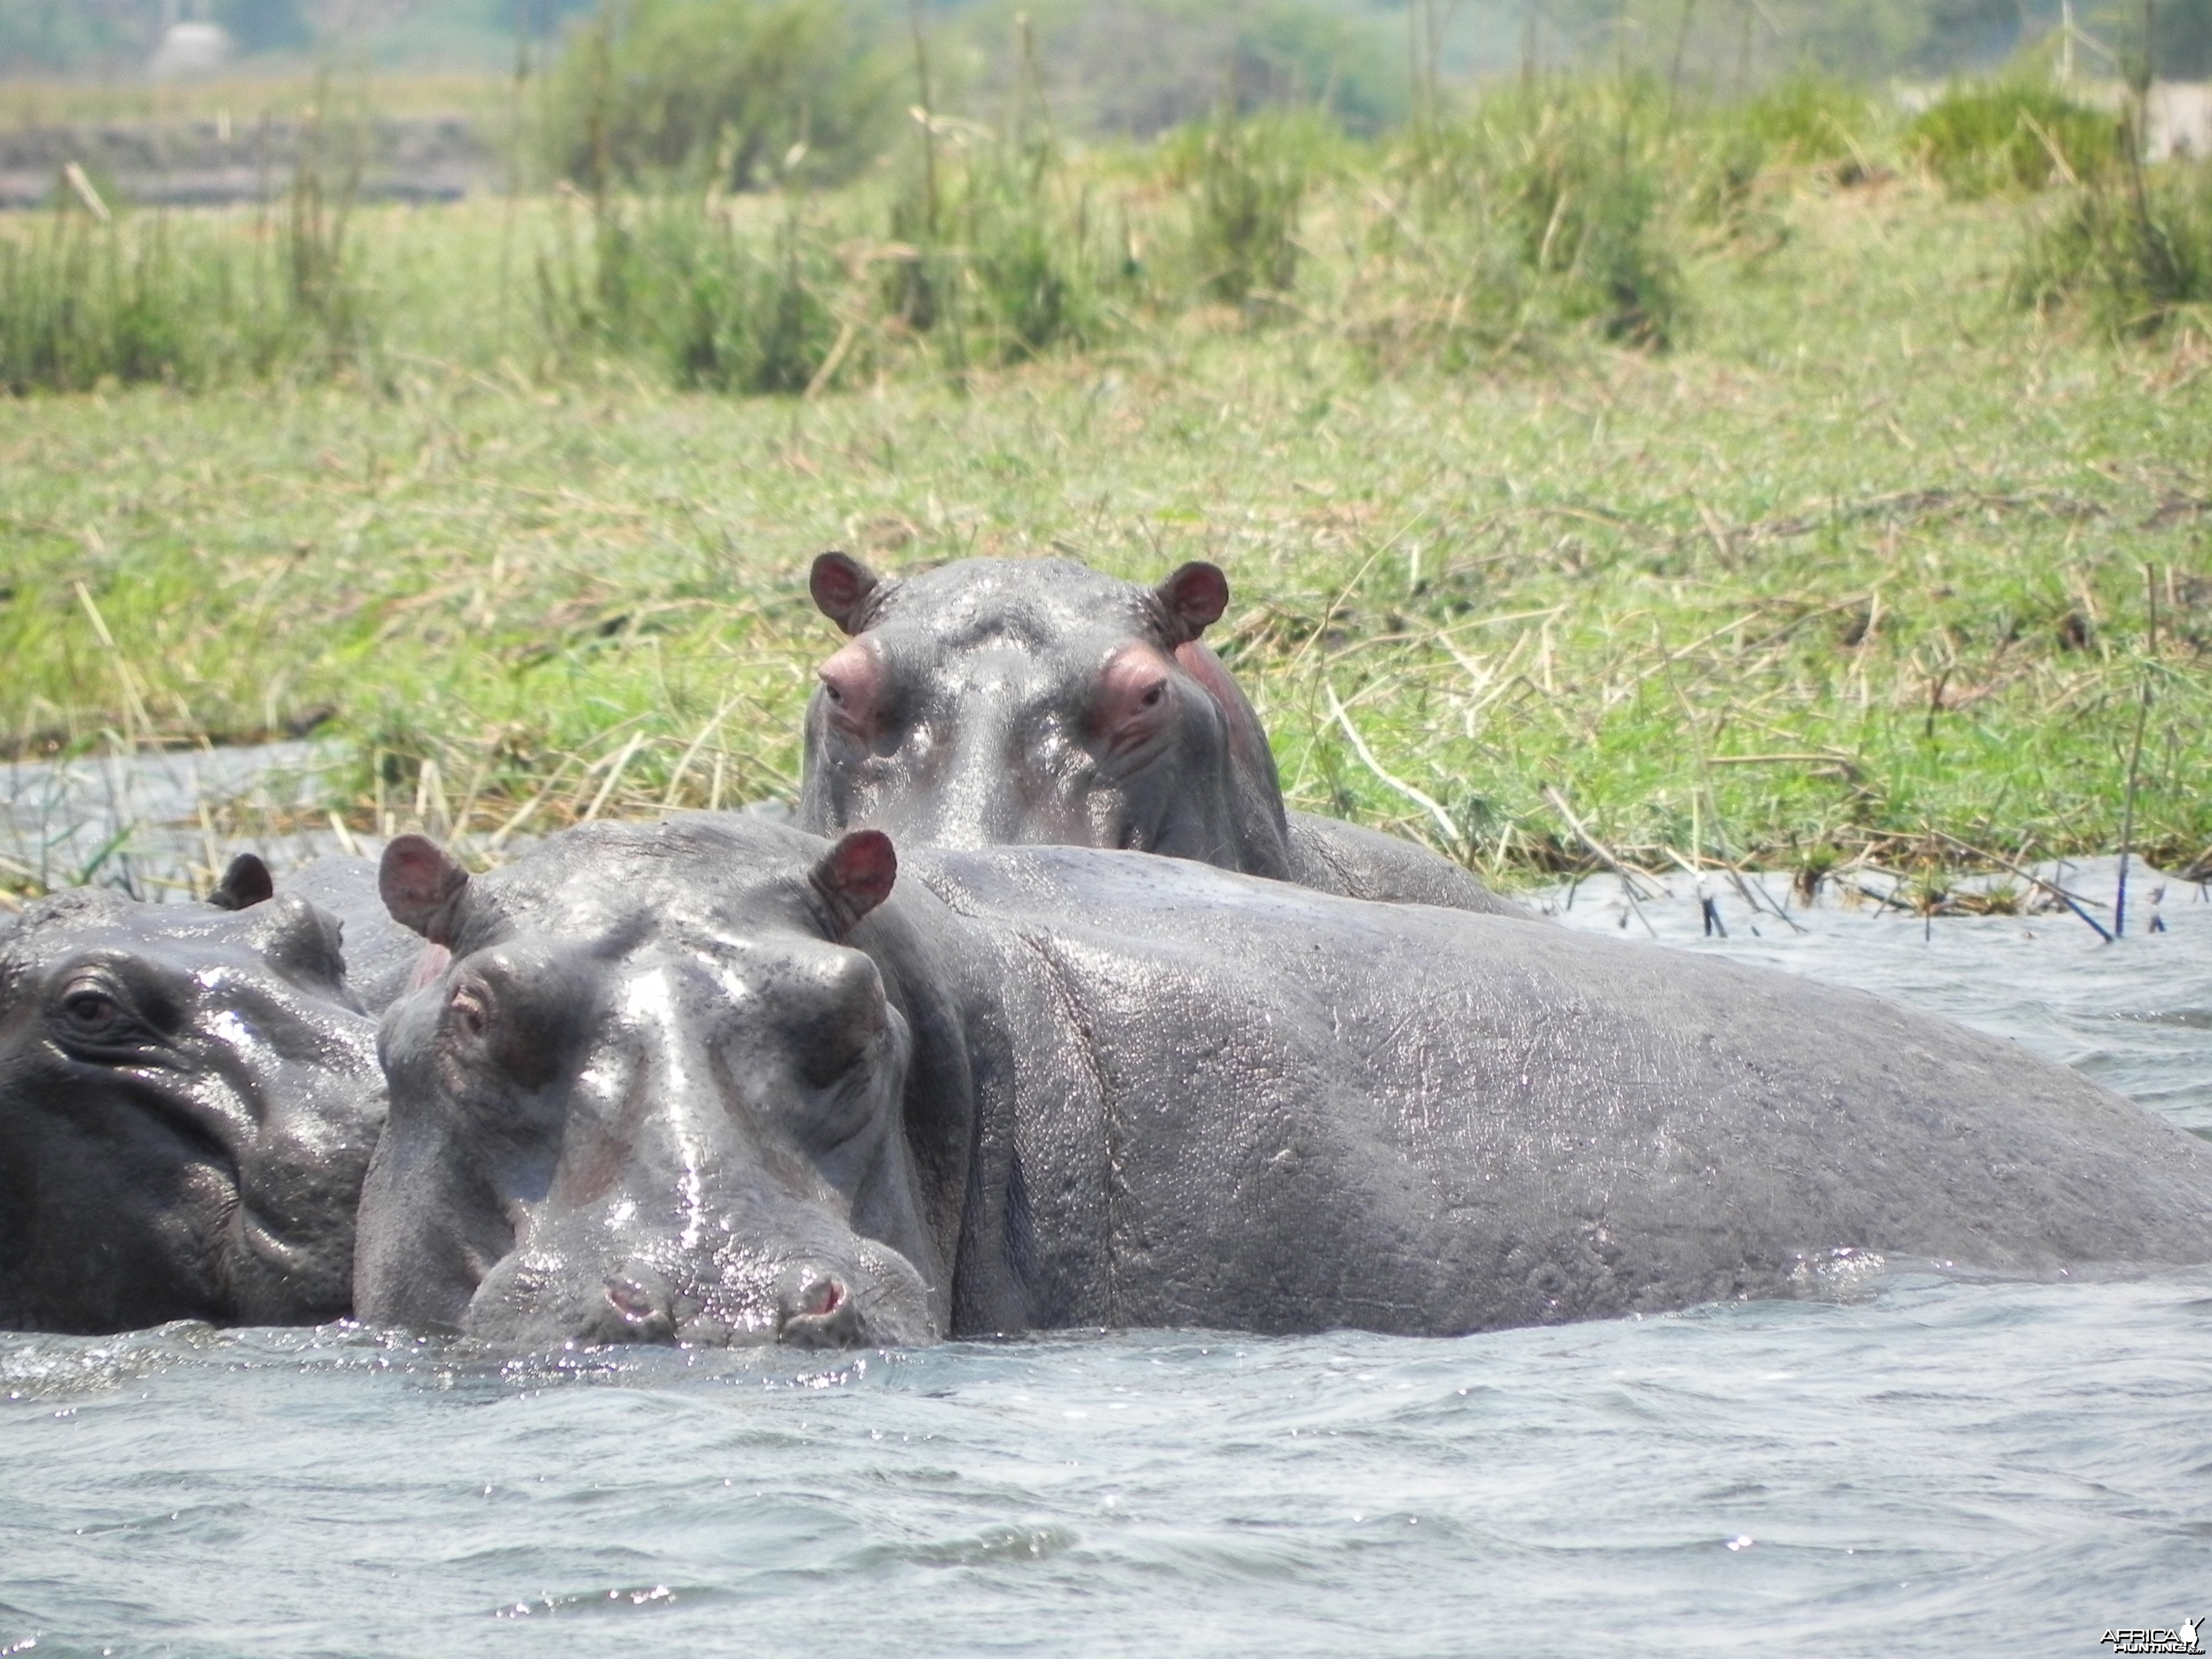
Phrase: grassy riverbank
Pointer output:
(1874, 555)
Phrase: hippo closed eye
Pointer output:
(188, 1096)
(997, 702)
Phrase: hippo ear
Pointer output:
(245, 883)
(422, 886)
(855, 876)
(841, 585)
(1195, 596)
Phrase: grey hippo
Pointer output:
(188, 1094)
(1036, 701)
(719, 1080)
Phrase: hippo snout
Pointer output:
(876, 1298)
(814, 1308)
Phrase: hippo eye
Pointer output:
(835, 696)
(1151, 698)
(469, 1008)
(92, 1014)
(91, 1011)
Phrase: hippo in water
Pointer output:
(379, 954)
(188, 1097)
(1005, 701)
(718, 1080)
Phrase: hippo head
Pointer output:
(646, 1093)
(188, 1097)
(998, 701)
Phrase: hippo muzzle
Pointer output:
(865, 1295)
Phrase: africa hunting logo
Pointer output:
(2182, 1640)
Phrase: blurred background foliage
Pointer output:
(1138, 66)
(727, 88)
(1841, 262)
(764, 196)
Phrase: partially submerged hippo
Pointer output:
(188, 1097)
(1002, 700)
(714, 1080)
(379, 954)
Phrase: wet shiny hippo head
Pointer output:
(646, 1093)
(188, 1097)
(994, 701)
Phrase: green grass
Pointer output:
(1989, 138)
(2133, 254)
(1870, 554)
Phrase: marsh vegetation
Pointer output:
(1603, 470)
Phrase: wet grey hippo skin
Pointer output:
(379, 954)
(716, 1080)
(188, 1097)
(1000, 700)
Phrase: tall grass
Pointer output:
(1543, 211)
(2010, 136)
(1807, 120)
(2134, 253)
(82, 302)
(713, 299)
(89, 294)
(729, 88)
(1525, 220)
(1019, 266)
(1247, 178)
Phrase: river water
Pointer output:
(1913, 1465)
(145, 822)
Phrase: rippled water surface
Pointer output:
(1917, 1466)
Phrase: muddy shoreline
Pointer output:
(219, 161)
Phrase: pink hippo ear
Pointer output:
(841, 585)
(244, 884)
(422, 886)
(429, 968)
(1195, 596)
(855, 876)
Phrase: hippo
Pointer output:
(188, 1094)
(1035, 701)
(716, 1080)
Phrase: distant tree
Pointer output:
(1293, 52)
(540, 17)
(72, 34)
(2183, 48)
(1859, 39)
(1139, 66)
(1969, 33)
(263, 25)
(656, 87)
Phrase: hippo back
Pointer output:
(1352, 862)
(1255, 1106)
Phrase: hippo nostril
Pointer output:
(641, 1308)
(819, 1313)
